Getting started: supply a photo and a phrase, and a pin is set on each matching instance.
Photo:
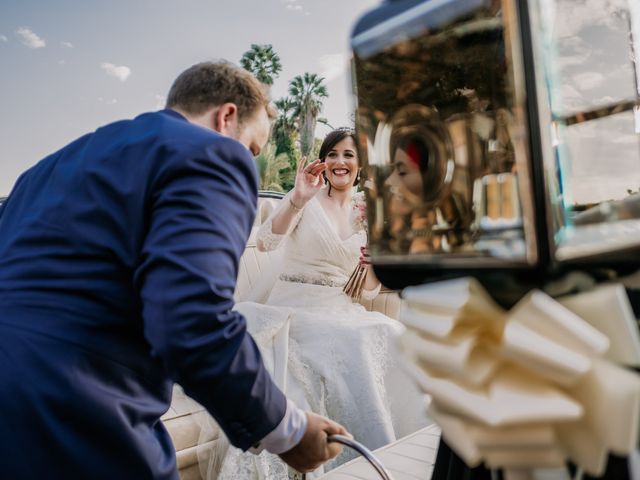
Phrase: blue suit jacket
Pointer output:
(118, 262)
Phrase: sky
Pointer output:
(70, 66)
(593, 68)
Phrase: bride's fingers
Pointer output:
(311, 166)
(316, 180)
(301, 164)
(311, 169)
(315, 171)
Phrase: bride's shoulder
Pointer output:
(358, 197)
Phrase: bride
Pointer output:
(328, 354)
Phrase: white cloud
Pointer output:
(294, 6)
(29, 38)
(333, 65)
(67, 44)
(605, 100)
(61, 62)
(588, 80)
(120, 72)
(574, 16)
(112, 101)
(4, 38)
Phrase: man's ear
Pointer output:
(225, 119)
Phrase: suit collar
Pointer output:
(173, 113)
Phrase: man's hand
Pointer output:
(314, 450)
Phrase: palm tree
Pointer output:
(283, 135)
(263, 62)
(324, 121)
(307, 91)
(284, 128)
(272, 169)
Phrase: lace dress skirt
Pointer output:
(339, 363)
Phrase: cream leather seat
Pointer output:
(181, 418)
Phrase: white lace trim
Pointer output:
(371, 294)
(239, 465)
(269, 240)
(312, 279)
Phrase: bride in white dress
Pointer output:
(327, 353)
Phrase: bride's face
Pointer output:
(342, 164)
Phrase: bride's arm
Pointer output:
(372, 285)
(279, 224)
(288, 213)
(308, 183)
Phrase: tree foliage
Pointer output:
(273, 169)
(292, 135)
(284, 128)
(284, 135)
(308, 92)
(263, 62)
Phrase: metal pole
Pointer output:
(362, 450)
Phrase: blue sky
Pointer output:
(69, 66)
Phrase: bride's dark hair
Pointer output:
(330, 141)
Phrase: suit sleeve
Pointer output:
(201, 215)
(15, 185)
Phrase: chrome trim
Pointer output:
(364, 451)
(521, 139)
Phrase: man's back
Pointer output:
(87, 307)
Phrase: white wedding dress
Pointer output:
(328, 354)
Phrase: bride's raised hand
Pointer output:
(308, 181)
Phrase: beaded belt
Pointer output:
(301, 278)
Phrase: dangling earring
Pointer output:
(357, 179)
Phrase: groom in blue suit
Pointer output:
(118, 260)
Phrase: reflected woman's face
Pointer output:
(405, 182)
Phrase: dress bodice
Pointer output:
(314, 252)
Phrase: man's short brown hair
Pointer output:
(210, 84)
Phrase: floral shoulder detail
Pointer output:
(358, 216)
(358, 197)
